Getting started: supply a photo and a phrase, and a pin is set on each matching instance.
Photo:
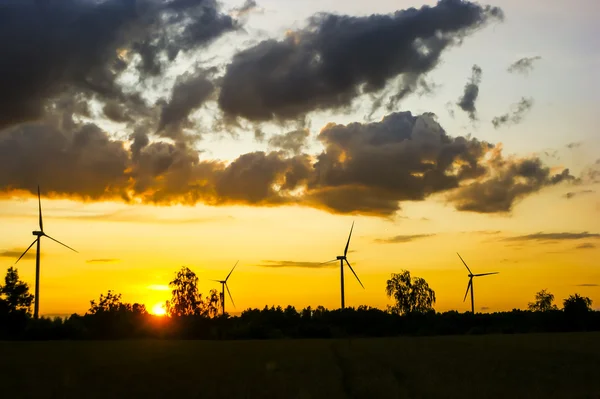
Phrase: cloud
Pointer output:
(512, 181)
(572, 194)
(553, 237)
(49, 48)
(403, 238)
(573, 145)
(471, 92)
(15, 253)
(523, 65)
(364, 168)
(248, 7)
(189, 93)
(102, 260)
(516, 115)
(337, 57)
(588, 285)
(294, 141)
(483, 308)
(290, 263)
(587, 245)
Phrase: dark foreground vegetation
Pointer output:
(490, 366)
(192, 316)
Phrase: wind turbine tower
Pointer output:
(225, 286)
(39, 234)
(470, 285)
(343, 258)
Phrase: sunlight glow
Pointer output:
(159, 310)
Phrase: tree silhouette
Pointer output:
(212, 304)
(411, 294)
(543, 302)
(577, 304)
(111, 302)
(15, 293)
(185, 298)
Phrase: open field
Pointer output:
(507, 366)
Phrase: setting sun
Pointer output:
(159, 310)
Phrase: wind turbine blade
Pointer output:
(348, 243)
(230, 297)
(40, 209)
(468, 288)
(28, 248)
(217, 281)
(361, 284)
(64, 245)
(485, 274)
(329, 261)
(227, 278)
(470, 272)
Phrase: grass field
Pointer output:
(508, 366)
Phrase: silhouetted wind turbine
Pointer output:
(224, 286)
(470, 286)
(342, 259)
(39, 234)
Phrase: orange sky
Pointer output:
(135, 250)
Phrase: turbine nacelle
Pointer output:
(341, 257)
(38, 233)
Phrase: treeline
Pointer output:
(277, 323)
(192, 316)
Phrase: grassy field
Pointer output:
(509, 366)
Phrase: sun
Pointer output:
(159, 310)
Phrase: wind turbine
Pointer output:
(223, 286)
(342, 259)
(470, 285)
(39, 234)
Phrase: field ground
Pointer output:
(500, 366)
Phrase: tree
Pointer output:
(15, 293)
(212, 304)
(410, 294)
(543, 302)
(185, 298)
(111, 303)
(577, 304)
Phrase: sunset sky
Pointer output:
(199, 133)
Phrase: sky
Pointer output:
(198, 133)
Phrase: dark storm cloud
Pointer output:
(291, 263)
(512, 181)
(553, 236)
(467, 101)
(366, 169)
(189, 93)
(370, 168)
(85, 163)
(572, 194)
(116, 112)
(587, 245)
(524, 65)
(294, 141)
(337, 57)
(402, 238)
(49, 46)
(519, 110)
